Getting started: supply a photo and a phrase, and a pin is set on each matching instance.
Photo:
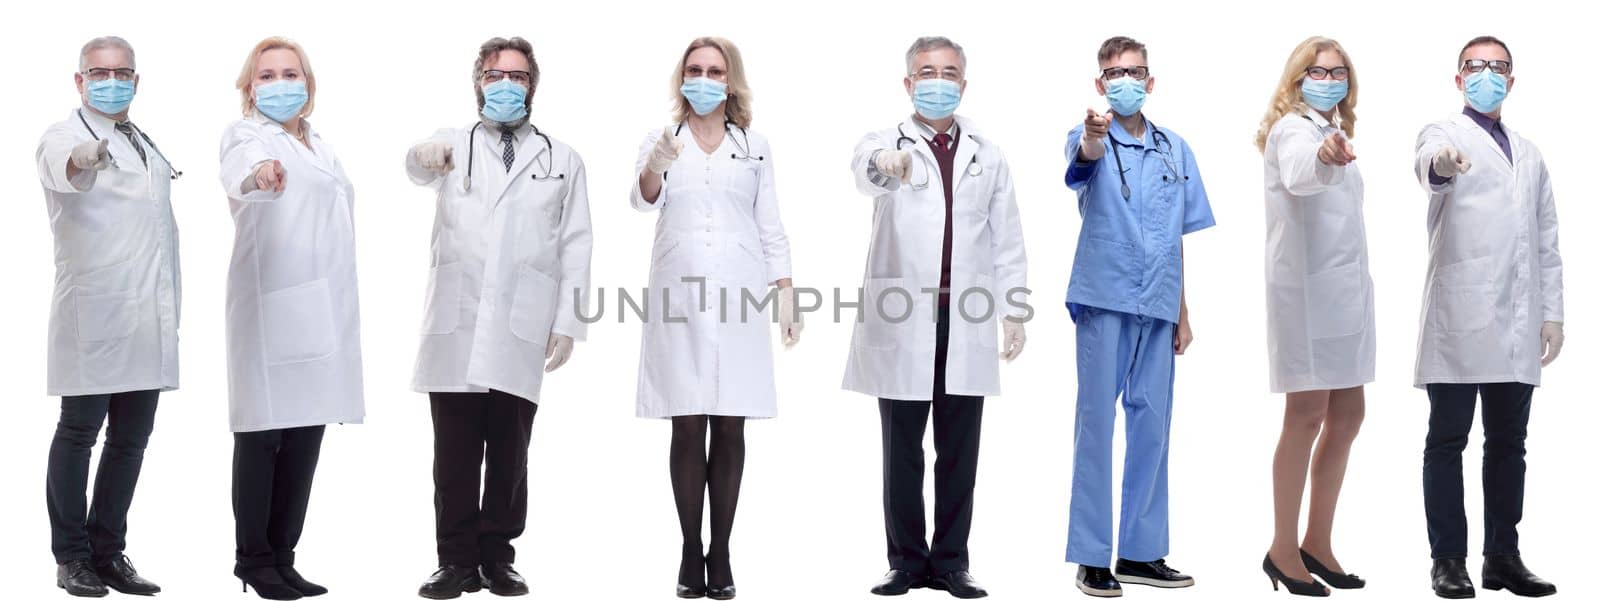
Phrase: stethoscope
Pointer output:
(743, 148)
(1157, 136)
(549, 164)
(175, 174)
(973, 168)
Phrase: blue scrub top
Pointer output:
(1130, 252)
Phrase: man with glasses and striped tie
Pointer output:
(510, 270)
(113, 330)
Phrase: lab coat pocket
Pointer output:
(977, 308)
(888, 306)
(1336, 301)
(298, 323)
(442, 314)
(1465, 295)
(103, 317)
(533, 307)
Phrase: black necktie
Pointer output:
(510, 154)
(126, 127)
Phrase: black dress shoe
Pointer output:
(1450, 579)
(448, 582)
(1299, 588)
(897, 582)
(721, 593)
(503, 580)
(692, 575)
(1151, 573)
(307, 588)
(959, 584)
(267, 582)
(77, 577)
(1097, 582)
(121, 577)
(1334, 579)
(1507, 572)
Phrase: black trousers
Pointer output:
(1505, 429)
(96, 530)
(956, 423)
(487, 431)
(272, 473)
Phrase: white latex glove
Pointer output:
(788, 319)
(268, 177)
(557, 351)
(1014, 338)
(1448, 162)
(1553, 339)
(665, 152)
(894, 163)
(91, 155)
(1336, 151)
(434, 156)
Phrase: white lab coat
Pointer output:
(895, 360)
(508, 258)
(1494, 268)
(293, 323)
(114, 316)
(1321, 323)
(704, 349)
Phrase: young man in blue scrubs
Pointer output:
(1139, 192)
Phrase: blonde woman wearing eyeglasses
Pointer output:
(1321, 335)
(706, 357)
(293, 327)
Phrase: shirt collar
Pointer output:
(1314, 115)
(517, 135)
(1125, 138)
(927, 130)
(1486, 122)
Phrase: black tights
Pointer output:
(694, 471)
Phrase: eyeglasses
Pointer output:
(930, 72)
(693, 71)
(1337, 73)
(495, 75)
(1476, 65)
(102, 74)
(1140, 73)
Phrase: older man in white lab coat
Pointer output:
(510, 270)
(1491, 317)
(926, 339)
(114, 321)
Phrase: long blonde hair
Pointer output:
(247, 74)
(737, 107)
(1287, 98)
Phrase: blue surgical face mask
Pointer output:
(1324, 94)
(505, 101)
(110, 96)
(1126, 95)
(703, 94)
(1485, 91)
(281, 100)
(936, 98)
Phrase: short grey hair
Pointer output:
(936, 42)
(109, 41)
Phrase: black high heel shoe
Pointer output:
(718, 565)
(692, 576)
(267, 581)
(1334, 579)
(1296, 587)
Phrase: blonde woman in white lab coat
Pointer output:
(293, 328)
(1320, 321)
(706, 359)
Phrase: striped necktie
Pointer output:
(510, 154)
(126, 129)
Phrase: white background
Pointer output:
(810, 524)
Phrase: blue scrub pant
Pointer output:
(1128, 356)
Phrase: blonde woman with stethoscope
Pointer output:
(706, 356)
(1320, 323)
